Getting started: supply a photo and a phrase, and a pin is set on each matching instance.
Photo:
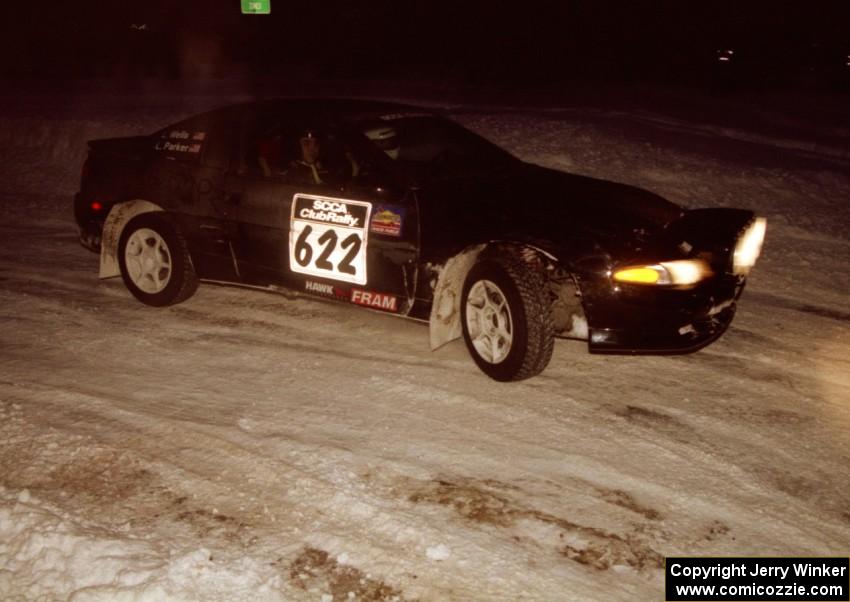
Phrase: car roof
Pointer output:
(348, 109)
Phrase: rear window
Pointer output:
(438, 145)
(208, 137)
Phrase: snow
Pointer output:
(257, 446)
(438, 552)
(46, 554)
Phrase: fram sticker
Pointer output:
(387, 220)
(374, 300)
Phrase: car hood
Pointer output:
(600, 204)
(552, 209)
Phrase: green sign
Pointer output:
(256, 7)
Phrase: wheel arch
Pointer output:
(444, 322)
(118, 217)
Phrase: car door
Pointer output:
(333, 232)
(354, 236)
(258, 201)
(188, 177)
(392, 252)
(356, 245)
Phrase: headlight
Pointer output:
(676, 273)
(748, 247)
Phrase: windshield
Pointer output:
(434, 146)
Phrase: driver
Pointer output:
(309, 168)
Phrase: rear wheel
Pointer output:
(507, 318)
(154, 260)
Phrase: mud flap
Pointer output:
(444, 322)
(112, 228)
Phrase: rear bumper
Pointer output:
(90, 227)
(90, 239)
(641, 321)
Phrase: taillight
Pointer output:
(96, 206)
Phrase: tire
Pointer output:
(507, 320)
(155, 262)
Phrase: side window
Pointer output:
(321, 158)
(297, 154)
(221, 138)
(263, 145)
(276, 151)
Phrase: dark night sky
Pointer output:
(530, 42)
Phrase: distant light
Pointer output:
(723, 59)
(256, 7)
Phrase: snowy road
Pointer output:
(251, 445)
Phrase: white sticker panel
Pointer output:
(328, 237)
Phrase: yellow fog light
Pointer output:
(643, 275)
(680, 272)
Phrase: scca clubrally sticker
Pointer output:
(328, 237)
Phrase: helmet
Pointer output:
(385, 138)
(309, 134)
(308, 143)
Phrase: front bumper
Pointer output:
(642, 320)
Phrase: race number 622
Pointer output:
(328, 241)
(328, 238)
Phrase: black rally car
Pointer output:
(397, 209)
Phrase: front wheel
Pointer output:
(507, 318)
(155, 262)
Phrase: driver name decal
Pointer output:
(328, 237)
(180, 141)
